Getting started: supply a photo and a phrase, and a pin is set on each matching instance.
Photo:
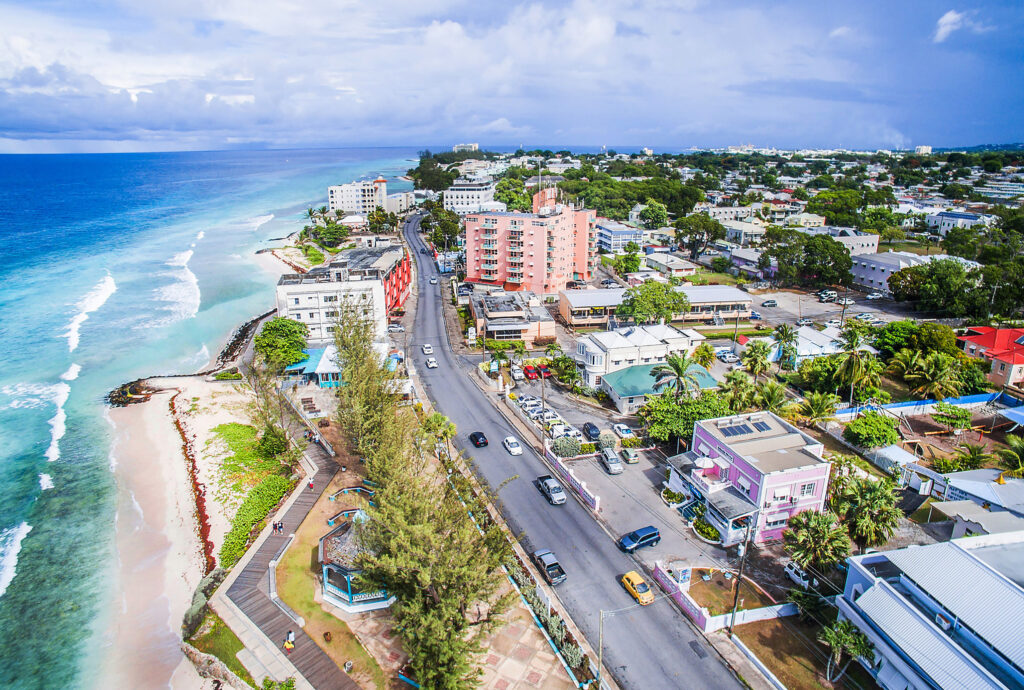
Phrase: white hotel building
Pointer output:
(315, 299)
(471, 196)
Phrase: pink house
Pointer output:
(751, 469)
(539, 252)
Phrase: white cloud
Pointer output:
(953, 21)
(840, 32)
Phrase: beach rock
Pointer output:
(136, 391)
(209, 666)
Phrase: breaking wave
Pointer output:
(92, 301)
(10, 545)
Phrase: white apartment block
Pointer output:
(610, 351)
(465, 148)
(872, 271)
(400, 202)
(723, 213)
(469, 196)
(358, 197)
(855, 241)
(315, 300)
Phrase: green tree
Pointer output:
(810, 605)
(629, 262)
(519, 349)
(553, 350)
(825, 262)
(1012, 457)
(816, 540)
(738, 390)
(935, 376)
(895, 336)
(676, 374)
(786, 338)
(667, 417)
(843, 638)
(281, 341)
(972, 456)
(652, 301)
(704, 355)
(654, 215)
(512, 192)
(965, 242)
(818, 408)
(839, 207)
(697, 232)
(771, 397)
(868, 509)
(871, 430)
(853, 360)
(755, 357)
(437, 427)
(380, 221)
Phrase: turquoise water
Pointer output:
(116, 267)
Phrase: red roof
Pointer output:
(742, 340)
(1004, 344)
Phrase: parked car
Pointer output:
(622, 431)
(608, 282)
(544, 371)
(523, 399)
(798, 575)
(512, 445)
(638, 588)
(551, 489)
(845, 301)
(428, 349)
(865, 316)
(804, 322)
(478, 439)
(754, 315)
(517, 373)
(638, 539)
(630, 456)
(875, 295)
(611, 462)
(833, 323)
(530, 372)
(431, 363)
(423, 251)
(828, 296)
(548, 566)
(591, 431)
(396, 328)
(728, 357)
(769, 303)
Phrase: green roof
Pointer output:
(637, 380)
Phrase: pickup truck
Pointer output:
(548, 566)
(551, 489)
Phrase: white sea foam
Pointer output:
(45, 482)
(200, 358)
(72, 373)
(182, 296)
(10, 545)
(92, 301)
(32, 395)
(58, 421)
(260, 221)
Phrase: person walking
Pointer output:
(310, 483)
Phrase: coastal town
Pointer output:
(547, 419)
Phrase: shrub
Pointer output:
(606, 440)
(566, 447)
(256, 506)
(272, 443)
(706, 529)
(232, 375)
(588, 448)
(672, 496)
(632, 442)
(871, 430)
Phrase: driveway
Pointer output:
(645, 647)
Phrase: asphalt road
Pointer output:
(644, 647)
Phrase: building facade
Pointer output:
(465, 148)
(469, 195)
(537, 252)
(609, 351)
(613, 236)
(500, 315)
(1004, 347)
(358, 197)
(713, 303)
(724, 213)
(872, 271)
(855, 241)
(751, 471)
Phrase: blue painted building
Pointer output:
(337, 555)
(613, 236)
(321, 367)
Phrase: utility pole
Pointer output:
(600, 649)
(739, 578)
(736, 331)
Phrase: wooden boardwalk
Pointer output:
(250, 591)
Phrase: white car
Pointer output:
(804, 322)
(728, 357)
(875, 295)
(833, 323)
(428, 349)
(512, 445)
(844, 301)
(622, 431)
(433, 281)
(797, 574)
(865, 316)
(431, 363)
(396, 328)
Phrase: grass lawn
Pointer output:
(244, 468)
(315, 256)
(909, 246)
(216, 638)
(295, 586)
(791, 651)
(921, 514)
(716, 594)
(710, 278)
(746, 328)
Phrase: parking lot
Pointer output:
(793, 306)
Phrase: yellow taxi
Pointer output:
(638, 588)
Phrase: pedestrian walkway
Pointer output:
(250, 591)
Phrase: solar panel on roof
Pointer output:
(761, 426)
(743, 429)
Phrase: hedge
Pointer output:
(633, 442)
(256, 506)
(872, 430)
(706, 529)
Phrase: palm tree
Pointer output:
(755, 357)
(519, 348)
(818, 408)
(936, 376)
(310, 213)
(816, 540)
(738, 390)
(971, 456)
(553, 350)
(703, 355)
(785, 336)
(869, 511)
(904, 362)
(676, 372)
(571, 377)
(810, 606)
(323, 211)
(771, 396)
(1012, 457)
(842, 637)
(853, 359)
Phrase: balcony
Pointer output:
(708, 484)
(490, 266)
(490, 245)
(515, 277)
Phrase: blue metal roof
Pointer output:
(308, 365)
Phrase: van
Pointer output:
(611, 462)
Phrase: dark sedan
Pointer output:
(478, 439)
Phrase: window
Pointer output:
(296, 300)
(312, 314)
(776, 521)
(807, 489)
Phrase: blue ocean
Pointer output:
(117, 267)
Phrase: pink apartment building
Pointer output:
(751, 470)
(539, 252)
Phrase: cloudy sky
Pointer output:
(110, 75)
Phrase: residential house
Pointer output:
(670, 265)
(855, 241)
(810, 344)
(806, 220)
(971, 519)
(988, 487)
(613, 236)
(1004, 347)
(744, 233)
(944, 221)
(872, 271)
(629, 388)
(537, 252)
(717, 303)
(602, 353)
(634, 214)
(724, 213)
(748, 262)
(499, 315)
(941, 615)
(750, 471)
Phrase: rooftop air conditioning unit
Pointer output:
(943, 622)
